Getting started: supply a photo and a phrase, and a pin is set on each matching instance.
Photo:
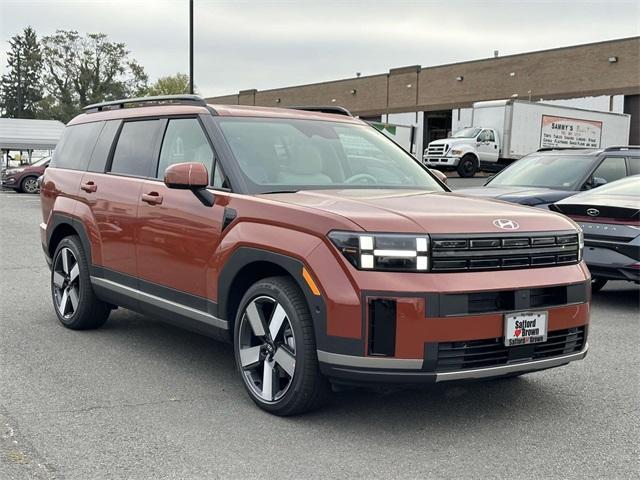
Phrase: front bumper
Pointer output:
(607, 262)
(8, 182)
(442, 337)
(441, 161)
(351, 369)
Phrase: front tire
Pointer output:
(275, 348)
(29, 185)
(74, 301)
(468, 166)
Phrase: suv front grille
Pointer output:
(492, 352)
(454, 253)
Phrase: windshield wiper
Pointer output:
(278, 191)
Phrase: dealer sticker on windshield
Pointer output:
(523, 328)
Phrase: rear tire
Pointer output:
(598, 284)
(468, 166)
(74, 301)
(275, 348)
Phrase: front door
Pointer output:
(487, 146)
(177, 234)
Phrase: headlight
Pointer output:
(384, 251)
(456, 152)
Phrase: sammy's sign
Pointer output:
(569, 132)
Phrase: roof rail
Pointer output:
(141, 101)
(549, 149)
(335, 109)
(622, 147)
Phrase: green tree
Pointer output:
(170, 85)
(83, 70)
(20, 87)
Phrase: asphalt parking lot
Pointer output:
(139, 399)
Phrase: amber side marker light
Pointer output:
(312, 285)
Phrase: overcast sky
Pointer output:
(267, 44)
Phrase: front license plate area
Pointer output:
(524, 328)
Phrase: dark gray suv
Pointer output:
(547, 176)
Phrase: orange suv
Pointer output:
(321, 249)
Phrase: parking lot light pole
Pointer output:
(191, 46)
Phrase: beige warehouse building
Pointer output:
(599, 76)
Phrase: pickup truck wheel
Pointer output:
(75, 303)
(598, 284)
(275, 348)
(468, 166)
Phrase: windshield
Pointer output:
(466, 133)
(277, 155)
(562, 172)
(41, 162)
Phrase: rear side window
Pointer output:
(134, 153)
(611, 169)
(103, 146)
(184, 141)
(76, 145)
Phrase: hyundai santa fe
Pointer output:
(323, 251)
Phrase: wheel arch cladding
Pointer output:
(63, 226)
(248, 265)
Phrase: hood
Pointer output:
(452, 141)
(530, 196)
(414, 211)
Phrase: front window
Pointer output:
(291, 154)
(466, 133)
(562, 172)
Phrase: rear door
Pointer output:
(111, 191)
(177, 235)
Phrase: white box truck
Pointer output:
(502, 131)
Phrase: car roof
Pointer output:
(626, 150)
(218, 110)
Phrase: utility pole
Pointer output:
(191, 46)
(19, 88)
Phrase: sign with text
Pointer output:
(569, 132)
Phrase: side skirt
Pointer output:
(169, 311)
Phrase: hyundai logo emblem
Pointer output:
(593, 212)
(506, 224)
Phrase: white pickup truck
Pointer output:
(502, 131)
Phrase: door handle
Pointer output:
(89, 187)
(152, 198)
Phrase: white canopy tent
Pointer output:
(26, 135)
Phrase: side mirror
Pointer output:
(439, 175)
(187, 176)
(190, 176)
(598, 182)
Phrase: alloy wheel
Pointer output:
(30, 185)
(66, 282)
(267, 349)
